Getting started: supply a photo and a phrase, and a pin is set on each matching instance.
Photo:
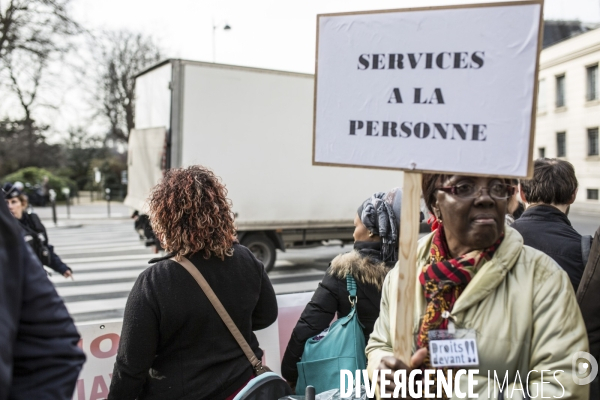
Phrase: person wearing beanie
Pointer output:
(34, 231)
(376, 228)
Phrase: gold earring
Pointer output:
(370, 234)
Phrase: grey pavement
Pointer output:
(85, 211)
(106, 256)
(584, 224)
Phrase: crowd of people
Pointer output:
(502, 260)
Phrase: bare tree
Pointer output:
(33, 34)
(34, 26)
(123, 55)
(25, 80)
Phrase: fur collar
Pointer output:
(363, 269)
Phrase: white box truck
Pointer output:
(253, 128)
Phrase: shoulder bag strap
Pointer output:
(351, 287)
(586, 244)
(214, 300)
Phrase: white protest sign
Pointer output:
(100, 342)
(442, 89)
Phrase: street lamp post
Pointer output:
(66, 191)
(226, 27)
(52, 194)
(97, 179)
(107, 191)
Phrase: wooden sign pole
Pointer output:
(402, 325)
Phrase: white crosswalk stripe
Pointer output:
(107, 256)
(89, 306)
(108, 265)
(93, 289)
(98, 276)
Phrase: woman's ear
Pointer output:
(436, 211)
(522, 195)
(574, 196)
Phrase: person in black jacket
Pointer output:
(588, 297)
(173, 343)
(377, 224)
(544, 225)
(39, 356)
(515, 206)
(33, 230)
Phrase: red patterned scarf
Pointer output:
(444, 280)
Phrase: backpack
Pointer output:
(343, 347)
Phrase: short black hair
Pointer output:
(429, 184)
(554, 182)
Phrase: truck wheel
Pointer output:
(262, 248)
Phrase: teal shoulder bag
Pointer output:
(343, 347)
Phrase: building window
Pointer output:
(561, 144)
(592, 194)
(560, 91)
(592, 83)
(541, 99)
(592, 142)
(541, 152)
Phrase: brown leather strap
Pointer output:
(214, 300)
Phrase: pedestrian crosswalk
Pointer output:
(107, 256)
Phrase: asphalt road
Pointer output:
(106, 256)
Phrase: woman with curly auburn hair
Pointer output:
(173, 343)
(190, 213)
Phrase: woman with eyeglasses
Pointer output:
(477, 280)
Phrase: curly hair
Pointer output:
(190, 213)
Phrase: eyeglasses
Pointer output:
(498, 191)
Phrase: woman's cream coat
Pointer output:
(524, 311)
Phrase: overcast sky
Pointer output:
(275, 34)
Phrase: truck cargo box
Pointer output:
(254, 128)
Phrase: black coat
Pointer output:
(174, 345)
(588, 297)
(39, 357)
(331, 297)
(548, 229)
(31, 225)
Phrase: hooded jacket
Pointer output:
(331, 297)
(523, 308)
